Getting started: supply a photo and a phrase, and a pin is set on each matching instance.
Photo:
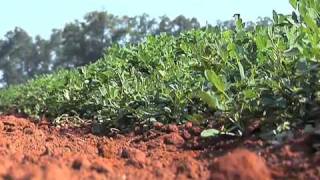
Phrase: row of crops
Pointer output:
(270, 73)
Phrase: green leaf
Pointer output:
(249, 94)
(103, 91)
(294, 3)
(210, 99)
(241, 70)
(275, 17)
(162, 73)
(210, 133)
(66, 95)
(239, 24)
(216, 81)
(261, 42)
(310, 22)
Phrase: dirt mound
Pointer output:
(41, 151)
(241, 164)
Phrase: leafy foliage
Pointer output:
(155, 79)
(271, 73)
(266, 72)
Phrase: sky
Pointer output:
(39, 17)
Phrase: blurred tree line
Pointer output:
(82, 42)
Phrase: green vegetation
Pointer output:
(270, 73)
(78, 43)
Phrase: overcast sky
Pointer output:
(41, 16)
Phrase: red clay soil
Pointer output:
(42, 151)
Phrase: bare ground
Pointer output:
(41, 151)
